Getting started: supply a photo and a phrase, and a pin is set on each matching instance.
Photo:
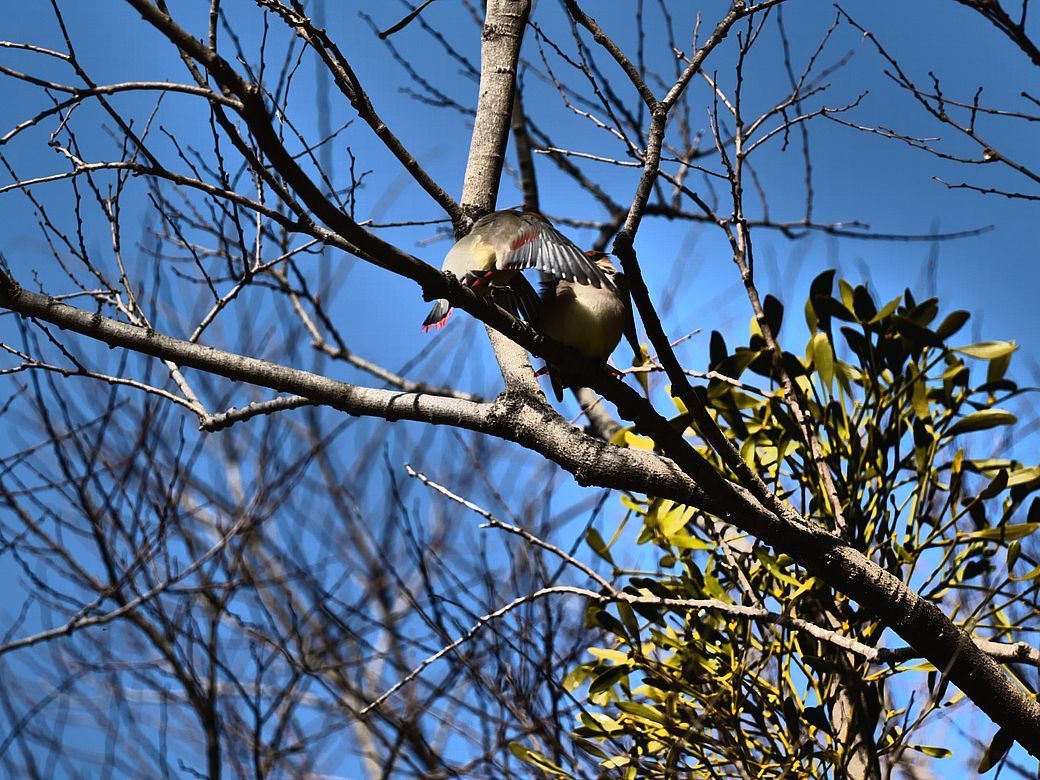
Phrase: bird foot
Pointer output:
(474, 279)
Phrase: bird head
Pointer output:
(602, 259)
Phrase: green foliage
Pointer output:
(914, 427)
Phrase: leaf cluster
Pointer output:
(916, 432)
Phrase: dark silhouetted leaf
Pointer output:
(822, 284)
(917, 334)
(996, 485)
(857, 343)
(774, 311)
(663, 683)
(628, 617)
(924, 312)
(977, 511)
(832, 307)
(605, 620)
(976, 568)
(952, 323)
(863, 305)
(1033, 516)
(792, 365)
(981, 421)
(998, 747)
(717, 351)
(608, 679)
(815, 716)
(791, 712)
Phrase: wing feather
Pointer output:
(537, 244)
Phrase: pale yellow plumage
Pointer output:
(503, 243)
(588, 319)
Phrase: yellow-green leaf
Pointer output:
(609, 655)
(597, 721)
(675, 519)
(1022, 476)
(630, 503)
(642, 711)
(923, 666)
(886, 310)
(988, 350)
(931, 750)
(535, 758)
(847, 294)
(1014, 550)
(822, 357)
(575, 678)
(1032, 574)
(919, 399)
(687, 542)
(635, 441)
(1004, 533)
(595, 541)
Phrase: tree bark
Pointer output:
(527, 420)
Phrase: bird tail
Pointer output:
(518, 298)
(438, 316)
(556, 386)
(554, 380)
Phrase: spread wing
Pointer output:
(537, 244)
(518, 298)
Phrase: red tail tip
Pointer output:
(437, 325)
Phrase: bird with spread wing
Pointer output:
(502, 244)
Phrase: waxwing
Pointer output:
(503, 243)
(589, 319)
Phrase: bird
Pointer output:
(587, 318)
(503, 243)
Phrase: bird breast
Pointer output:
(589, 319)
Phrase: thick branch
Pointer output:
(499, 53)
(501, 36)
(522, 419)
